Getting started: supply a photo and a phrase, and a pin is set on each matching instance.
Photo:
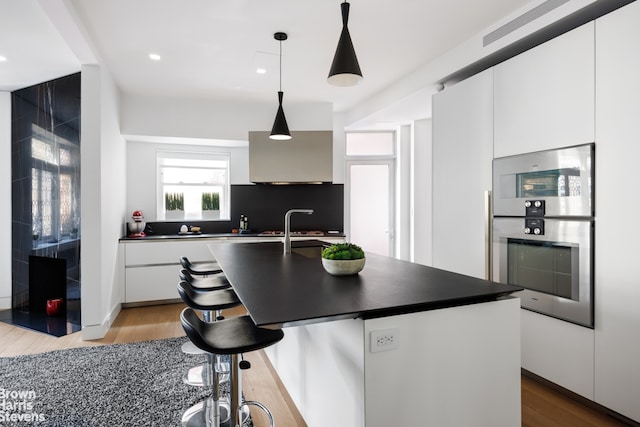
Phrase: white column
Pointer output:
(5, 199)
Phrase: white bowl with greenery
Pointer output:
(343, 259)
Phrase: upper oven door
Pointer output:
(563, 178)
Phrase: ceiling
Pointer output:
(211, 49)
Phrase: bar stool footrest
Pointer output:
(199, 377)
(195, 416)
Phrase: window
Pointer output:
(370, 144)
(54, 187)
(193, 185)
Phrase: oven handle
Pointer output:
(488, 235)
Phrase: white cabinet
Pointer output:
(462, 153)
(617, 266)
(558, 351)
(544, 98)
(151, 267)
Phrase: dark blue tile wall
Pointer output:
(55, 107)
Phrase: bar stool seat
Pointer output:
(201, 268)
(208, 283)
(232, 337)
(209, 302)
(212, 300)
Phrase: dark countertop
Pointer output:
(279, 290)
(156, 237)
(185, 236)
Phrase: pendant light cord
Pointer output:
(280, 65)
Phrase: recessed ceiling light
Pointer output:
(261, 71)
(154, 57)
(3, 58)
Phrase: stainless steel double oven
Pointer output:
(543, 230)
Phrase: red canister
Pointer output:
(55, 306)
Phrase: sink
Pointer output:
(308, 251)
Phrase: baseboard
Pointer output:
(148, 303)
(587, 402)
(5, 303)
(96, 332)
(300, 422)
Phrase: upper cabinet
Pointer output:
(545, 97)
(462, 146)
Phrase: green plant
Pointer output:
(210, 201)
(174, 201)
(343, 251)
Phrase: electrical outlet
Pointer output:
(384, 339)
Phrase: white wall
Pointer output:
(339, 138)
(403, 194)
(103, 180)
(5, 198)
(141, 172)
(421, 190)
(210, 119)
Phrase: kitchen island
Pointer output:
(399, 344)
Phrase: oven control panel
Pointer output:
(534, 226)
(534, 208)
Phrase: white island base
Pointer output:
(457, 367)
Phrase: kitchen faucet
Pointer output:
(287, 227)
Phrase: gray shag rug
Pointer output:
(137, 384)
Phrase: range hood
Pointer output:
(306, 158)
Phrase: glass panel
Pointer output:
(46, 203)
(551, 183)
(369, 204)
(43, 151)
(36, 222)
(66, 192)
(370, 144)
(65, 157)
(192, 197)
(181, 175)
(541, 266)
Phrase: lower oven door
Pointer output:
(555, 268)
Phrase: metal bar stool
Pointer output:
(202, 283)
(200, 269)
(208, 302)
(233, 337)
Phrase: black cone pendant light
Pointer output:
(280, 128)
(345, 70)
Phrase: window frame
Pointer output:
(178, 155)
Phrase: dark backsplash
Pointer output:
(265, 206)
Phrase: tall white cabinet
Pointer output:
(617, 266)
(544, 98)
(463, 151)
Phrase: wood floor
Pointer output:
(542, 406)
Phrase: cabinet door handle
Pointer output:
(488, 232)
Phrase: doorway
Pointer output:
(370, 191)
